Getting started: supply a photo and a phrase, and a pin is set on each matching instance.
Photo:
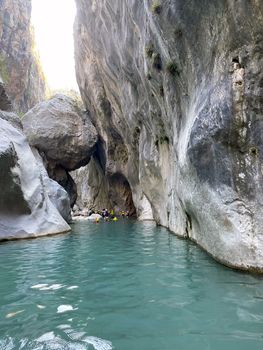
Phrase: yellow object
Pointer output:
(115, 219)
(97, 220)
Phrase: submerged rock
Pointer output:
(25, 208)
(176, 97)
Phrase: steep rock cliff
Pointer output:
(175, 90)
(19, 67)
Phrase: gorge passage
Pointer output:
(171, 126)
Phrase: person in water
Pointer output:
(97, 220)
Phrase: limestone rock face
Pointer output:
(64, 135)
(19, 67)
(92, 187)
(176, 95)
(25, 208)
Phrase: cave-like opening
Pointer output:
(120, 194)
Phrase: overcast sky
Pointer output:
(53, 22)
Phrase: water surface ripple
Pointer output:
(125, 286)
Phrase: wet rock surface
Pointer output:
(25, 208)
(176, 96)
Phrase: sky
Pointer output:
(53, 22)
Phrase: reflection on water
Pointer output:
(126, 286)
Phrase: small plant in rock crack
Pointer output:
(172, 68)
(149, 50)
(156, 7)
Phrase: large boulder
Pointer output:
(64, 136)
(60, 130)
(25, 208)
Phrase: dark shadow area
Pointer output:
(120, 194)
(12, 201)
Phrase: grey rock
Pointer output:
(63, 177)
(56, 193)
(5, 104)
(19, 66)
(92, 187)
(97, 190)
(25, 208)
(58, 129)
(60, 198)
(12, 118)
(177, 100)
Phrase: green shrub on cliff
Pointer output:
(172, 68)
(156, 7)
(149, 50)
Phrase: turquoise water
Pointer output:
(126, 286)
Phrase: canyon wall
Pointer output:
(19, 66)
(175, 90)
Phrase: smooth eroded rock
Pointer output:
(56, 193)
(25, 208)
